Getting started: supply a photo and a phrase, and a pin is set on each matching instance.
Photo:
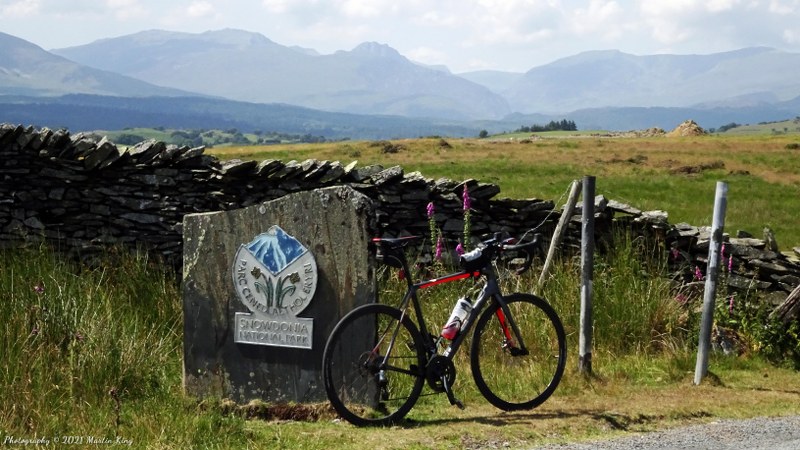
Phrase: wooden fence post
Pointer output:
(712, 275)
(558, 234)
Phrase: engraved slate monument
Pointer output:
(264, 286)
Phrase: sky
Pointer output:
(464, 35)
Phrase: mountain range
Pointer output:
(243, 78)
(239, 65)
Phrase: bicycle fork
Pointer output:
(507, 326)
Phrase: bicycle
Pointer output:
(377, 359)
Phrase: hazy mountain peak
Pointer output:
(376, 49)
(237, 37)
(610, 78)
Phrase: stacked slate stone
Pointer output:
(747, 263)
(86, 193)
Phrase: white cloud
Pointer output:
(126, 9)
(426, 55)
(783, 8)
(276, 6)
(720, 5)
(437, 19)
(19, 9)
(601, 17)
(791, 36)
(200, 9)
(362, 8)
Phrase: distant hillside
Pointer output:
(496, 80)
(26, 69)
(87, 113)
(626, 119)
(598, 79)
(239, 65)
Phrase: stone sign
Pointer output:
(263, 287)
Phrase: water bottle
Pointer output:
(457, 318)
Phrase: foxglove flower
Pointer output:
(459, 249)
(431, 209)
(439, 248)
(698, 275)
(467, 201)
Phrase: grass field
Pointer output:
(95, 354)
(677, 175)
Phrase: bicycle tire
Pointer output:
(525, 381)
(351, 359)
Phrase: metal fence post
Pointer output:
(587, 266)
(712, 275)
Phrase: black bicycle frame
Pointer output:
(491, 289)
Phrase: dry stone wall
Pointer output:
(86, 194)
(83, 195)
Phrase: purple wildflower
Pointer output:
(38, 288)
(467, 201)
(431, 210)
(698, 275)
(722, 251)
(439, 248)
(730, 263)
(459, 249)
(730, 304)
(675, 253)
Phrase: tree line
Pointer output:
(562, 125)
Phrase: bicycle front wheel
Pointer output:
(373, 365)
(508, 377)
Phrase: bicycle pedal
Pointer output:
(453, 399)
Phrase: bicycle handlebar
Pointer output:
(481, 256)
(527, 248)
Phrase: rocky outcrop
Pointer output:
(687, 128)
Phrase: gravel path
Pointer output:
(762, 433)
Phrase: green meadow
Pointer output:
(676, 175)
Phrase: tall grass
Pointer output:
(96, 352)
(640, 329)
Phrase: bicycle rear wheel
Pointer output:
(508, 379)
(361, 388)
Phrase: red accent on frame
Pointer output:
(447, 279)
(504, 325)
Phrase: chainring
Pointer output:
(438, 370)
